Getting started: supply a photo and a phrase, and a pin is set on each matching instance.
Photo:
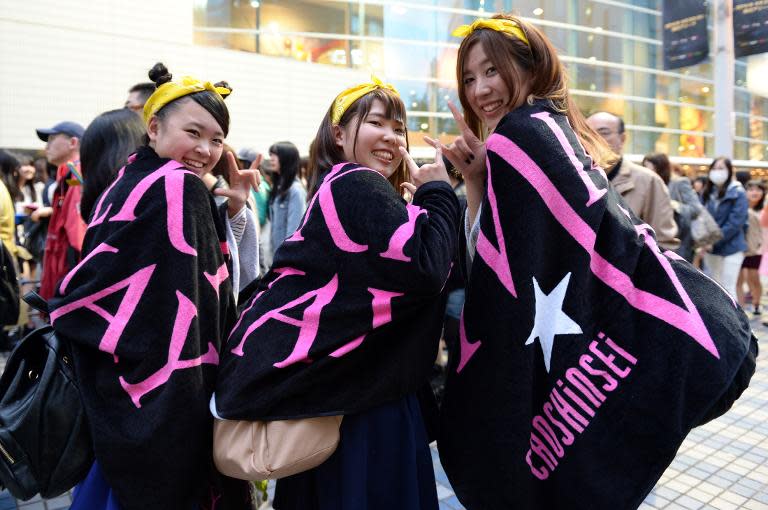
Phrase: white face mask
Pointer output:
(718, 177)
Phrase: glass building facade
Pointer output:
(611, 48)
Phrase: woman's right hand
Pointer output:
(467, 152)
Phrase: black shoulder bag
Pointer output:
(45, 443)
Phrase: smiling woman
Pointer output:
(146, 368)
(374, 267)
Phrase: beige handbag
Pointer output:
(261, 450)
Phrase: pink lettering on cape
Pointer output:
(324, 196)
(217, 279)
(685, 319)
(308, 325)
(97, 220)
(174, 173)
(382, 314)
(136, 284)
(282, 272)
(403, 233)
(496, 259)
(466, 349)
(594, 192)
(186, 313)
(102, 248)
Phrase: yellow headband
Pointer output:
(344, 100)
(500, 25)
(172, 90)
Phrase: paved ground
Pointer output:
(722, 465)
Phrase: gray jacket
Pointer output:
(688, 207)
(285, 214)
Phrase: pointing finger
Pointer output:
(438, 151)
(231, 162)
(459, 118)
(409, 162)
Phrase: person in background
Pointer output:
(753, 256)
(30, 188)
(250, 158)
(698, 185)
(107, 142)
(685, 202)
(288, 197)
(137, 97)
(66, 228)
(8, 165)
(743, 176)
(641, 189)
(726, 201)
(7, 237)
(27, 197)
(304, 171)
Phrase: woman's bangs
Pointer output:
(393, 105)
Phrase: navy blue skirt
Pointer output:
(94, 493)
(383, 461)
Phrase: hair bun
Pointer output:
(160, 74)
(223, 84)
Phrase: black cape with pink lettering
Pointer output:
(586, 354)
(146, 311)
(350, 315)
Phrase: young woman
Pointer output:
(8, 166)
(726, 201)
(146, 309)
(583, 346)
(31, 191)
(685, 201)
(372, 268)
(753, 255)
(288, 197)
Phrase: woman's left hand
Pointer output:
(426, 173)
(240, 184)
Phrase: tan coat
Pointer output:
(648, 197)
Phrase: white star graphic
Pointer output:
(550, 320)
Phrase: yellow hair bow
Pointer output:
(173, 90)
(344, 100)
(500, 25)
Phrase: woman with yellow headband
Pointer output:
(586, 353)
(147, 308)
(348, 321)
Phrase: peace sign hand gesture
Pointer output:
(240, 183)
(467, 152)
(426, 173)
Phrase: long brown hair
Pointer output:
(661, 165)
(538, 64)
(324, 152)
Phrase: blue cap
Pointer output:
(66, 127)
(247, 155)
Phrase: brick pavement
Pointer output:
(722, 465)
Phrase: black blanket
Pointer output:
(350, 315)
(586, 353)
(146, 311)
